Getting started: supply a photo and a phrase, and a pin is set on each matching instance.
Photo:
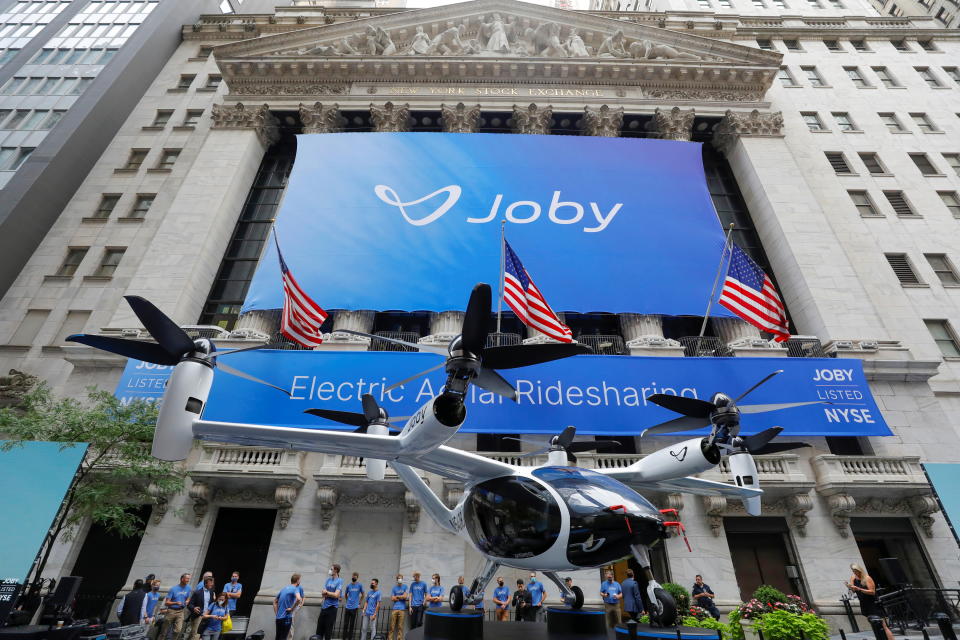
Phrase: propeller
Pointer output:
(563, 441)
(470, 360)
(372, 414)
(172, 343)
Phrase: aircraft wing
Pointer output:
(444, 461)
(689, 484)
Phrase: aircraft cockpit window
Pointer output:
(512, 518)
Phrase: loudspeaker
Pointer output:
(66, 591)
(895, 574)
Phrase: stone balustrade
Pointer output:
(234, 459)
(871, 470)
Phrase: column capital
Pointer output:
(532, 119)
(390, 118)
(602, 121)
(675, 124)
(460, 118)
(321, 119)
(240, 116)
(737, 124)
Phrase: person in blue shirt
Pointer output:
(234, 590)
(537, 596)
(418, 593)
(368, 624)
(285, 604)
(435, 593)
(501, 598)
(632, 601)
(612, 594)
(150, 602)
(352, 594)
(399, 595)
(332, 590)
(215, 614)
(175, 604)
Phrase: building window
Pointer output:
(765, 44)
(844, 121)
(29, 327)
(833, 45)
(927, 76)
(885, 77)
(942, 266)
(725, 4)
(168, 158)
(872, 162)
(759, 4)
(923, 123)
(18, 117)
(72, 261)
(205, 52)
(162, 117)
(135, 160)
(953, 72)
(953, 159)
(704, 4)
(193, 117)
(900, 45)
(786, 78)
(951, 201)
(108, 202)
(856, 77)
(109, 261)
(185, 81)
(923, 163)
(859, 45)
(813, 121)
(55, 116)
(35, 119)
(944, 336)
(838, 163)
(780, 4)
(11, 158)
(863, 203)
(6, 55)
(792, 45)
(815, 4)
(141, 205)
(900, 205)
(891, 121)
(72, 324)
(213, 80)
(813, 76)
(927, 45)
(902, 268)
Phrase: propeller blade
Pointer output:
(751, 389)
(538, 452)
(146, 351)
(371, 410)
(763, 408)
(572, 459)
(217, 354)
(165, 331)
(246, 376)
(779, 447)
(758, 441)
(598, 445)
(343, 417)
(690, 407)
(398, 419)
(415, 345)
(415, 376)
(492, 381)
(565, 438)
(536, 443)
(685, 423)
(524, 355)
(476, 321)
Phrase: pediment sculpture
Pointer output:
(495, 36)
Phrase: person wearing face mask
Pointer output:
(368, 624)
(399, 595)
(521, 602)
(537, 596)
(501, 598)
(234, 590)
(216, 613)
(435, 593)
(150, 603)
(332, 589)
(352, 595)
(418, 593)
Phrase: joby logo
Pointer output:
(520, 212)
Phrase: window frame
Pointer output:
(64, 270)
(868, 205)
(106, 268)
(944, 324)
(953, 279)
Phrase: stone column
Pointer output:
(744, 339)
(354, 321)
(675, 124)
(321, 119)
(460, 118)
(603, 121)
(390, 118)
(211, 185)
(532, 119)
(444, 327)
(644, 336)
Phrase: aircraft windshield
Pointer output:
(512, 517)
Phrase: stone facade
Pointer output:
(711, 80)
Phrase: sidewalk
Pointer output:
(932, 633)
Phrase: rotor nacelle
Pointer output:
(183, 403)
(682, 459)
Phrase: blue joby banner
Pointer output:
(600, 395)
(411, 221)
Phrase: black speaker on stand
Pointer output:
(59, 606)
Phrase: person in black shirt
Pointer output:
(703, 597)
(521, 602)
(129, 609)
(866, 589)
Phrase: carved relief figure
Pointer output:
(378, 42)
(344, 48)
(448, 43)
(545, 40)
(612, 46)
(575, 46)
(646, 50)
(496, 34)
(421, 42)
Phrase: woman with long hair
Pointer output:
(214, 616)
(866, 589)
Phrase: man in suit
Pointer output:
(199, 602)
(130, 607)
(632, 602)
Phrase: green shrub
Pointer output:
(736, 631)
(769, 595)
(707, 623)
(783, 625)
(680, 595)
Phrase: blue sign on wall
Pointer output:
(600, 395)
(411, 221)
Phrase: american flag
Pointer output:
(526, 300)
(302, 317)
(749, 293)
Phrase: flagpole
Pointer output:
(503, 266)
(716, 279)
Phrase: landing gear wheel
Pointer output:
(578, 597)
(456, 599)
(666, 616)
